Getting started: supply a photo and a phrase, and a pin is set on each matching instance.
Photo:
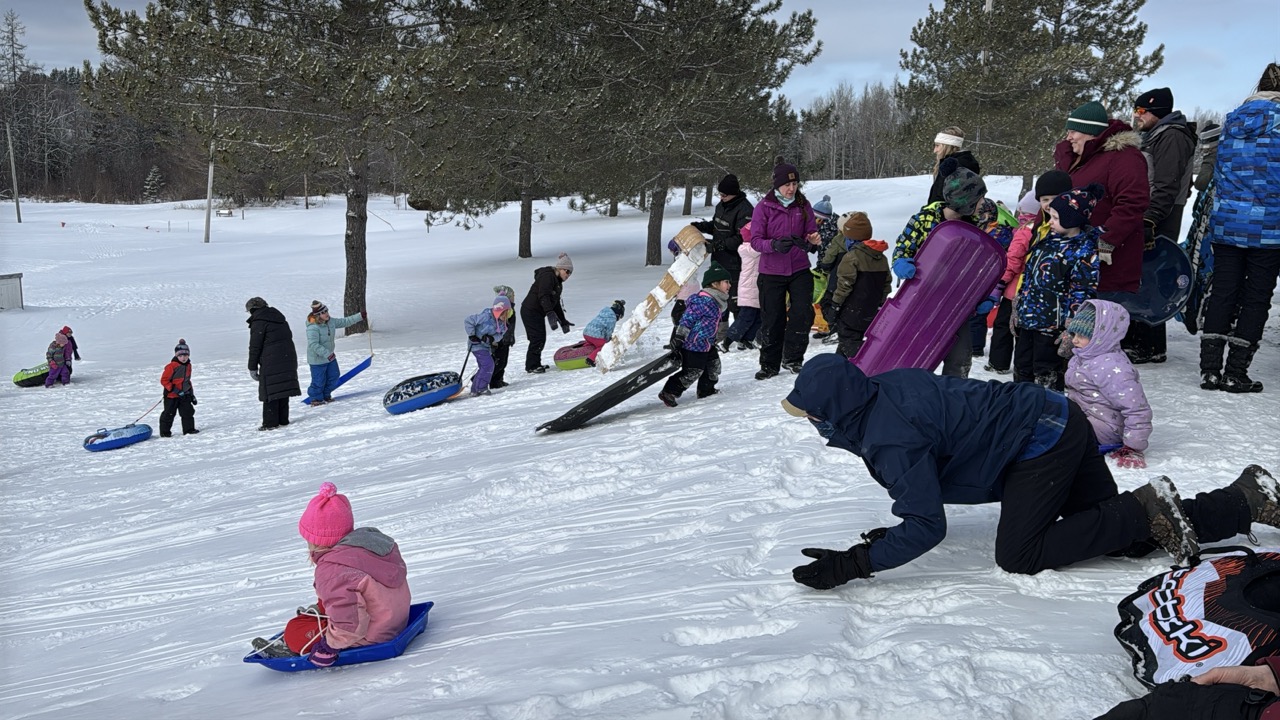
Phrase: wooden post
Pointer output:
(13, 172)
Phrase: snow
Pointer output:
(637, 568)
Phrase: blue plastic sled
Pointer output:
(1165, 287)
(394, 647)
(347, 376)
(106, 439)
(421, 392)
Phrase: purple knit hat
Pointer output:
(327, 518)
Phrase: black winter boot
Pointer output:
(1262, 492)
(1211, 348)
(1210, 381)
(1169, 526)
(1235, 377)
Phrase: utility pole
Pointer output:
(208, 203)
(13, 172)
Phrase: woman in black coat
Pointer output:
(542, 305)
(273, 362)
(947, 144)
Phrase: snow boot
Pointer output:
(725, 345)
(1262, 492)
(746, 345)
(1210, 380)
(1235, 378)
(1170, 528)
(272, 648)
(1211, 348)
(766, 373)
(991, 368)
(668, 399)
(707, 393)
(793, 366)
(538, 370)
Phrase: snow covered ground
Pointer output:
(637, 568)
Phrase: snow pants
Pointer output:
(1063, 507)
(959, 358)
(501, 351)
(275, 413)
(1001, 355)
(484, 369)
(978, 335)
(595, 343)
(324, 378)
(745, 325)
(535, 326)
(177, 406)
(702, 368)
(784, 331)
(1035, 358)
(1240, 300)
(60, 374)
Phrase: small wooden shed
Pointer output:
(11, 291)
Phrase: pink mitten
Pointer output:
(1127, 457)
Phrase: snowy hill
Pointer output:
(638, 568)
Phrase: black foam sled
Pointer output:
(609, 397)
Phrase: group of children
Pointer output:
(59, 356)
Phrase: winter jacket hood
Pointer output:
(1111, 323)
(1102, 381)
(371, 552)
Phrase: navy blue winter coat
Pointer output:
(925, 438)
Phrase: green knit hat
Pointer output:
(715, 274)
(1090, 118)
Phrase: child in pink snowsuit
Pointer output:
(59, 358)
(360, 577)
(1102, 381)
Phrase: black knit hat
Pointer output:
(181, 348)
(254, 303)
(1158, 102)
(962, 188)
(729, 185)
(619, 307)
(1075, 207)
(1054, 182)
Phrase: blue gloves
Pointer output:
(985, 306)
(904, 268)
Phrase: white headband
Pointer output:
(952, 140)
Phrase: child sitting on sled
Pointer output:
(360, 579)
(600, 329)
(179, 396)
(1102, 381)
(695, 338)
(484, 330)
(59, 358)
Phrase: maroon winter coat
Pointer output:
(1114, 160)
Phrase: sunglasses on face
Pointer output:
(1139, 111)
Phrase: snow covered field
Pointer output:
(637, 568)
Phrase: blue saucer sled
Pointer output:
(106, 439)
(394, 647)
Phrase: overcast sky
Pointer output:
(1214, 51)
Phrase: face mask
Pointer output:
(824, 428)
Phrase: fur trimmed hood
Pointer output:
(1122, 140)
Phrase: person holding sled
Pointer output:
(725, 227)
(273, 361)
(58, 356)
(179, 395)
(934, 440)
(600, 329)
(360, 578)
(542, 305)
(695, 338)
(962, 192)
(321, 356)
(483, 331)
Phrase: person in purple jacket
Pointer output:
(1102, 381)
(784, 231)
(695, 337)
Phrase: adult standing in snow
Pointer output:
(935, 440)
(1100, 150)
(949, 143)
(784, 232)
(725, 228)
(542, 304)
(1246, 237)
(1168, 144)
(273, 361)
(321, 357)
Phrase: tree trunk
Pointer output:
(353, 297)
(613, 208)
(710, 191)
(657, 203)
(688, 197)
(526, 223)
(1026, 186)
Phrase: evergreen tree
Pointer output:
(1008, 75)
(152, 186)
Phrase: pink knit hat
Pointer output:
(327, 518)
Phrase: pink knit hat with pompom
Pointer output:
(327, 518)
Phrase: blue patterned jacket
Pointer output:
(1246, 208)
(1060, 274)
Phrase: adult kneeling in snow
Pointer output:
(931, 440)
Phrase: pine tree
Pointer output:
(153, 185)
(1009, 71)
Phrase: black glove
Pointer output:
(832, 568)
(1148, 235)
(474, 339)
(193, 400)
(783, 244)
(254, 374)
(831, 312)
(565, 326)
(488, 339)
(678, 337)
(1192, 701)
(555, 324)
